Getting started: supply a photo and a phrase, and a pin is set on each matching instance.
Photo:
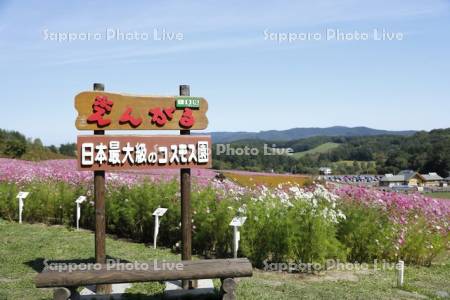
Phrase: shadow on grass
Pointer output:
(142, 297)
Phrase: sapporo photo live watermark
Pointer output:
(329, 265)
(334, 34)
(112, 34)
(114, 264)
(266, 150)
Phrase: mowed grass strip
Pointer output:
(440, 195)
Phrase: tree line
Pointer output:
(13, 144)
(424, 152)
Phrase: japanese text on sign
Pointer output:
(120, 152)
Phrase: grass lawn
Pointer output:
(441, 195)
(323, 148)
(24, 247)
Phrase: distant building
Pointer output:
(404, 178)
(325, 171)
(412, 179)
(432, 180)
(446, 182)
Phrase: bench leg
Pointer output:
(63, 293)
(228, 289)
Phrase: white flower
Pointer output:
(294, 189)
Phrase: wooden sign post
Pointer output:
(100, 111)
(186, 216)
(100, 219)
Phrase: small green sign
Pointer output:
(185, 101)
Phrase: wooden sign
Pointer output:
(117, 153)
(99, 110)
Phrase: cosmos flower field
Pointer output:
(287, 222)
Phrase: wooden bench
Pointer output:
(65, 283)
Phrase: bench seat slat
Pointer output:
(197, 269)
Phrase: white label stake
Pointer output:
(400, 274)
(80, 200)
(236, 223)
(21, 196)
(159, 212)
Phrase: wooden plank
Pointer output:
(159, 152)
(152, 271)
(140, 107)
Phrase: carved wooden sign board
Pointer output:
(112, 111)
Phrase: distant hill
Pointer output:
(301, 133)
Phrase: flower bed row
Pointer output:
(286, 223)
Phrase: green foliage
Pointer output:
(211, 218)
(15, 145)
(266, 232)
(15, 148)
(366, 232)
(421, 246)
(312, 237)
(130, 211)
(47, 203)
(275, 230)
(68, 149)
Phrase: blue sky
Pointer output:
(252, 83)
